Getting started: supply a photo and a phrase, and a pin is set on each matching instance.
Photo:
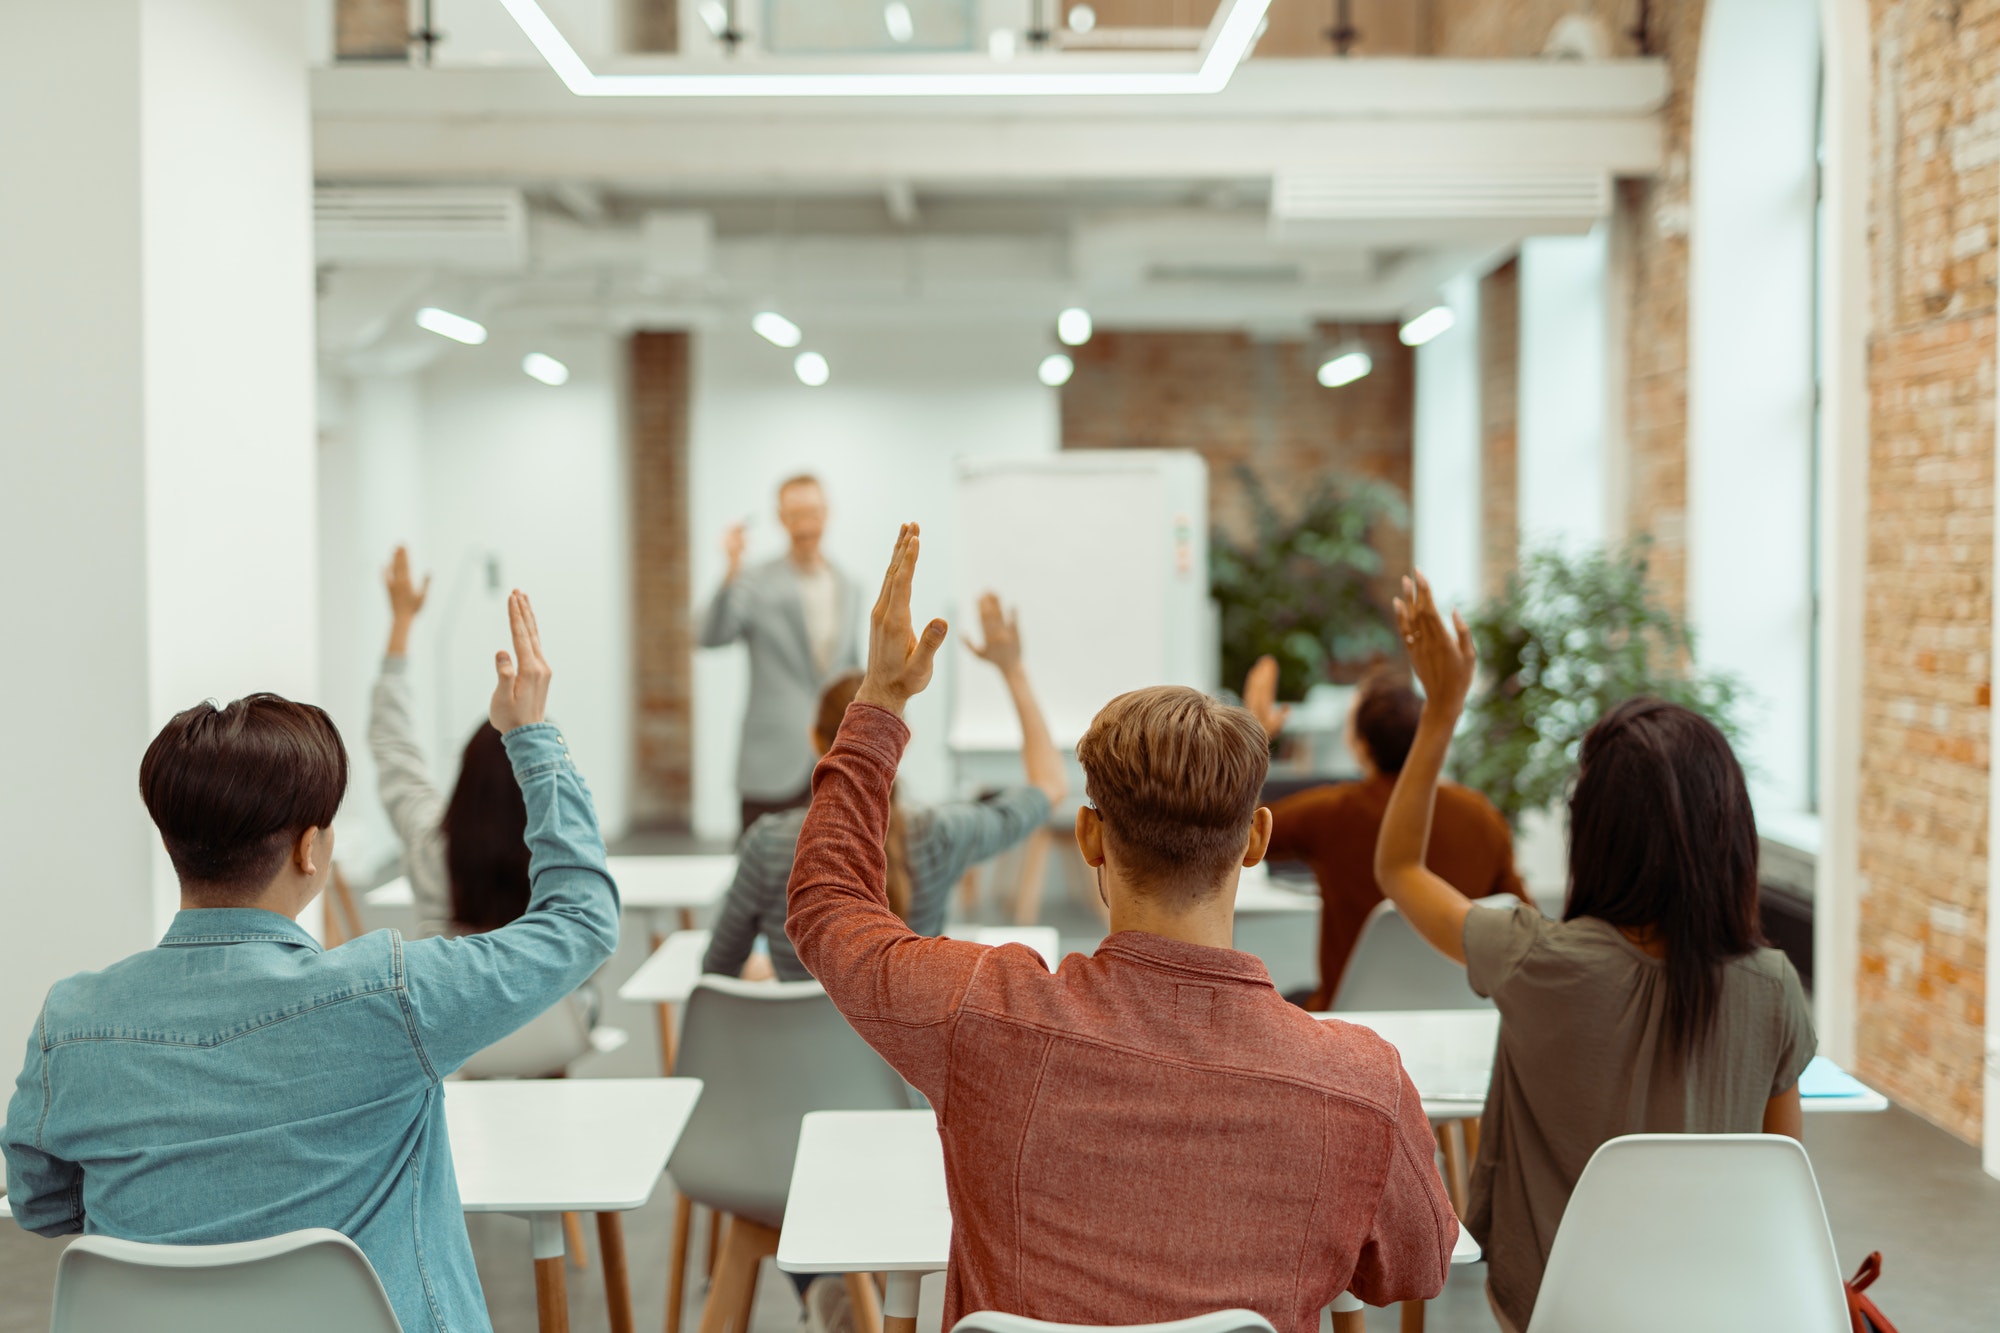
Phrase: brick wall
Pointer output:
(662, 629)
(371, 29)
(1499, 424)
(1927, 663)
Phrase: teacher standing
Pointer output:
(797, 613)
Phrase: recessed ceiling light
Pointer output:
(896, 17)
(1055, 370)
(773, 327)
(1420, 330)
(1000, 43)
(455, 327)
(714, 17)
(1082, 18)
(1073, 326)
(811, 368)
(1345, 369)
(545, 368)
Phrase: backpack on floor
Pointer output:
(1867, 1316)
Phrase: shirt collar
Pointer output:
(1180, 956)
(235, 925)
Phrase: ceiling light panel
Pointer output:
(1228, 40)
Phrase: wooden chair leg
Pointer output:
(579, 1253)
(677, 1267)
(1451, 1139)
(734, 1290)
(865, 1301)
(617, 1282)
(1470, 1128)
(1034, 873)
(968, 893)
(714, 1239)
(343, 894)
(1350, 1321)
(1413, 1317)
(551, 1296)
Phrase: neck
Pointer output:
(1645, 939)
(1210, 923)
(286, 900)
(806, 556)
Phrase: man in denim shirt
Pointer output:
(238, 1081)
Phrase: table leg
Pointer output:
(1033, 873)
(579, 1251)
(678, 1265)
(1451, 1138)
(1413, 1317)
(899, 1303)
(545, 1238)
(865, 1301)
(617, 1284)
(1350, 1321)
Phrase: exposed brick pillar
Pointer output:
(662, 632)
(1499, 424)
(371, 29)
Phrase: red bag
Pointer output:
(1867, 1317)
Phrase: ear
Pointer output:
(1090, 836)
(305, 851)
(1261, 825)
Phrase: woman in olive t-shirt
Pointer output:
(1651, 1007)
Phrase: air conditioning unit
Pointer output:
(1427, 203)
(484, 229)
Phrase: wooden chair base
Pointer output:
(617, 1282)
(866, 1302)
(745, 1246)
(677, 1264)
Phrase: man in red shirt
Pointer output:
(1152, 1132)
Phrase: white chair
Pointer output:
(1222, 1321)
(313, 1281)
(1668, 1232)
(543, 1047)
(1393, 969)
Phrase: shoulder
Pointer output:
(1468, 803)
(1355, 1064)
(1769, 969)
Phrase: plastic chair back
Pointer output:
(1392, 968)
(314, 1281)
(1222, 1321)
(1721, 1232)
(544, 1047)
(766, 1053)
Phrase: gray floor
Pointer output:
(1891, 1182)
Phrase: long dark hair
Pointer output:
(485, 837)
(1662, 836)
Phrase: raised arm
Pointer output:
(467, 993)
(725, 621)
(1040, 759)
(900, 990)
(402, 774)
(1444, 662)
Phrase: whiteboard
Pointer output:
(1105, 553)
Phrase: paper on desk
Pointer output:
(1824, 1078)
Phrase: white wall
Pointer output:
(156, 403)
(1446, 478)
(1562, 480)
(883, 434)
(1751, 310)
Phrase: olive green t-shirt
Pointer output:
(1582, 1058)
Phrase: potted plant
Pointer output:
(1569, 637)
(1303, 588)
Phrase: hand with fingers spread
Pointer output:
(522, 694)
(1260, 696)
(733, 544)
(899, 662)
(1442, 655)
(1001, 630)
(406, 598)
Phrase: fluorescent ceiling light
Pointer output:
(1438, 319)
(1073, 326)
(1228, 40)
(811, 368)
(545, 368)
(896, 17)
(1000, 44)
(773, 327)
(455, 327)
(1055, 370)
(1345, 369)
(714, 16)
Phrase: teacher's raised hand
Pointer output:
(899, 661)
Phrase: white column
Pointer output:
(1562, 487)
(156, 525)
(1445, 484)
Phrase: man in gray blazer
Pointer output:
(797, 613)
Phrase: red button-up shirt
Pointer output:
(1151, 1132)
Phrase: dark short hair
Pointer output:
(1385, 715)
(800, 479)
(486, 837)
(1176, 777)
(231, 788)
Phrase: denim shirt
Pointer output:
(239, 1081)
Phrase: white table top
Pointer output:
(868, 1196)
(572, 1145)
(1256, 891)
(1044, 940)
(644, 882)
(668, 976)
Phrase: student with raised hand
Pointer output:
(1152, 1132)
(238, 1081)
(927, 850)
(1651, 1007)
(1333, 828)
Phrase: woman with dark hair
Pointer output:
(1651, 1007)
(927, 850)
(466, 856)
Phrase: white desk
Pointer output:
(1257, 892)
(650, 885)
(1044, 940)
(669, 974)
(540, 1148)
(868, 1196)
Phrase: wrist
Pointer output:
(880, 697)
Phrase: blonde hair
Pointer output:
(833, 702)
(1176, 777)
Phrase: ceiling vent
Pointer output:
(466, 229)
(1533, 194)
